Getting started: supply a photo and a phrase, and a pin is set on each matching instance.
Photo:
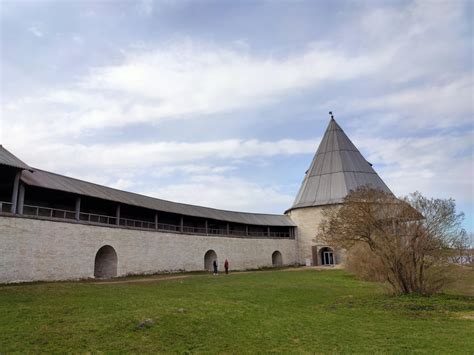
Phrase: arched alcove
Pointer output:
(105, 265)
(277, 259)
(209, 257)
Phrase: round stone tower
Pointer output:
(337, 168)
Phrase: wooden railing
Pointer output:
(5, 207)
(98, 219)
(47, 212)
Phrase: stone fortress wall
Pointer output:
(44, 250)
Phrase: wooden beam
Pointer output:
(117, 216)
(77, 215)
(16, 184)
(21, 198)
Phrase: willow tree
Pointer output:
(405, 242)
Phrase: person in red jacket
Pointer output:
(226, 266)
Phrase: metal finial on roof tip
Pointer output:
(332, 116)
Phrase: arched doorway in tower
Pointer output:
(327, 256)
(209, 258)
(105, 265)
(277, 259)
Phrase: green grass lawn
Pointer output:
(271, 311)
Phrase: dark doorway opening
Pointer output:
(327, 256)
(209, 258)
(105, 265)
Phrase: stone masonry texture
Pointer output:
(43, 250)
(308, 219)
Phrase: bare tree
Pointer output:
(462, 250)
(406, 242)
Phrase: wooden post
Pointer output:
(181, 224)
(21, 198)
(206, 226)
(246, 229)
(78, 209)
(117, 216)
(228, 229)
(314, 250)
(268, 231)
(16, 184)
(156, 221)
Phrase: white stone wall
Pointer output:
(33, 250)
(308, 219)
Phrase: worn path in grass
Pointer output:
(280, 311)
(162, 277)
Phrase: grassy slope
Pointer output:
(303, 311)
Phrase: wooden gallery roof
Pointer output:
(47, 180)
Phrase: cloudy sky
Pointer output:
(223, 103)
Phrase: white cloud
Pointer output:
(147, 155)
(226, 193)
(437, 105)
(425, 39)
(36, 31)
(177, 81)
(440, 165)
(122, 184)
(145, 7)
(190, 169)
(191, 78)
(78, 39)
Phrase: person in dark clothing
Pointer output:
(214, 265)
(226, 266)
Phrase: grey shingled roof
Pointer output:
(8, 159)
(337, 168)
(44, 179)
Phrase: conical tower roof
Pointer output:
(337, 168)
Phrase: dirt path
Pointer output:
(144, 280)
(158, 278)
